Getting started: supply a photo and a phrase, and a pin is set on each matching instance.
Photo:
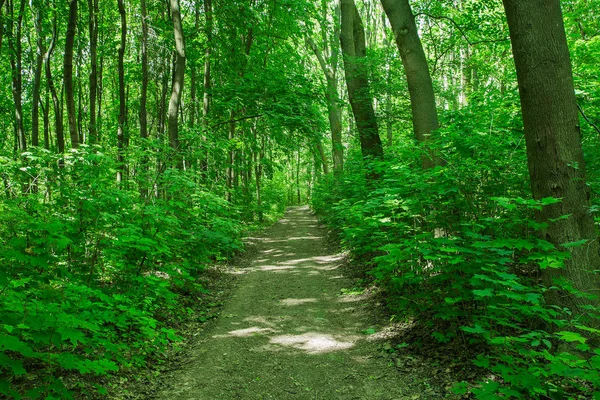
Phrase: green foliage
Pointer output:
(457, 246)
(92, 277)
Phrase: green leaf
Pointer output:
(571, 337)
(488, 292)
(478, 329)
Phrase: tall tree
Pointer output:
(93, 32)
(36, 13)
(15, 32)
(352, 38)
(329, 66)
(68, 73)
(145, 78)
(1, 22)
(554, 152)
(58, 118)
(178, 76)
(420, 86)
(122, 100)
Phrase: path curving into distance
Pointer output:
(288, 332)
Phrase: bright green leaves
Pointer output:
(93, 277)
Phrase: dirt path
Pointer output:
(288, 332)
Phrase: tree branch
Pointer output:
(460, 29)
(587, 119)
(236, 120)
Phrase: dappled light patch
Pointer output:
(351, 298)
(313, 342)
(255, 330)
(297, 302)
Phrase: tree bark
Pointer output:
(16, 68)
(145, 79)
(68, 73)
(178, 77)
(333, 109)
(122, 100)
(1, 23)
(58, 118)
(208, 12)
(231, 159)
(553, 138)
(93, 31)
(420, 86)
(352, 38)
(35, 100)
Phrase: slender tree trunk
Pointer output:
(93, 31)
(258, 171)
(208, 11)
(79, 85)
(122, 100)
(321, 155)
(554, 152)
(420, 86)
(68, 73)
(163, 97)
(178, 78)
(15, 36)
(333, 109)
(352, 38)
(58, 118)
(46, 113)
(100, 94)
(39, 65)
(231, 159)
(1, 22)
(145, 78)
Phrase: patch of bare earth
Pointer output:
(290, 331)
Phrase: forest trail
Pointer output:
(288, 332)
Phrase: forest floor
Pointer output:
(293, 328)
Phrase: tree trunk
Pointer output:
(208, 11)
(58, 117)
(93, 31)
(231, 159)
(145, 79)
(352, 38)
(16, 68)
(46, 113)
(122, 101)
(68, 73)
(36, 98)
(333, 109)
(1, 23)
(321, 155)
(178, 78)
(100, 94)
(420, 86)
(553, 138)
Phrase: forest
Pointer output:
(450, 148)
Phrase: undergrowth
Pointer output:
(94, 275)
(456, 245)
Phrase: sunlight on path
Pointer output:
(288, 332)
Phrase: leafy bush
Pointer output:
(93, 276)
(457, 245)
